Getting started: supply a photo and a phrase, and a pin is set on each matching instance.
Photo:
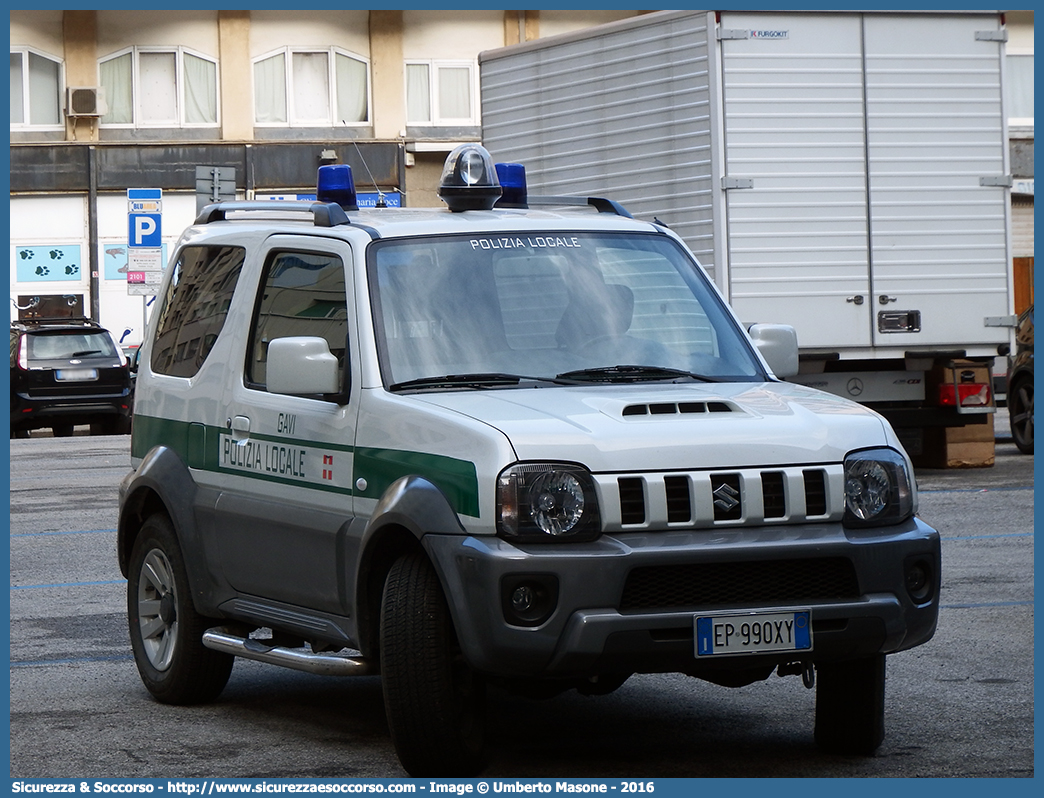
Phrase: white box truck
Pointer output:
(842, 172)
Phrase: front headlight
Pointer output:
(878, 488)
(539, 502)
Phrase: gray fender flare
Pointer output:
(415, 504)
(163, 474)
(410, 508)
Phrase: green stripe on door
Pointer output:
(456, 478)
(198, 445)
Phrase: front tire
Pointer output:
(166, 632)
(434, 701)
(850, 705)
(1020, 414)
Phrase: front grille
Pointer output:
(745, 497)
(666, 587)
(815, 492)
(679, 502)
(632, 501)
(774, 494)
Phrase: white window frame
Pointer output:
(179, 120)
(292, 119)
(437, 119)
(24, 52)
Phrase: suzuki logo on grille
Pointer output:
(726, 497)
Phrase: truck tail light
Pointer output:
(970, 394)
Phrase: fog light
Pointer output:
(522, 599)
(919, 582)
(528, 599)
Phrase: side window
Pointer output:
(303, 293)
(194, 308)
(311, 87)
(36, 82)
(16, 340)
(159, 88)
(441, 93)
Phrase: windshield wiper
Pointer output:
(632, 374)
(478, 380)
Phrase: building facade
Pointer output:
(104, 101)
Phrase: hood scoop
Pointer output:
(676, 408)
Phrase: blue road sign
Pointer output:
(144, 230)
(144, 221)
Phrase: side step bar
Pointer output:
(220, 639)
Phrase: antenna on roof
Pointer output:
(380, 194)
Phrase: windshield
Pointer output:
(490, 310)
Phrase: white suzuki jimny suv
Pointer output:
(510, 441)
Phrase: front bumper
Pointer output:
(854, 582)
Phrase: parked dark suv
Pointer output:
(1020, 384)
(67, 373)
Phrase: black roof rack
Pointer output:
(601, 204)
(56, 321)
(324, 214)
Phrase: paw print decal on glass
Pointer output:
(48, 263)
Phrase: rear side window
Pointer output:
(194, 308)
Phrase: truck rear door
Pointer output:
(937, 155)
(865, 168)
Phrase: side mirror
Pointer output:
(301, 366)
(778, 344)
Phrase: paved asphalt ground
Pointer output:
(959, 706)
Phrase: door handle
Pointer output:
(240, 426)
(855, 300)
(884, 300)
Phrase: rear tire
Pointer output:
(434, 701)
(1020, 414)
(850, 705)
(62, 430)
(166, 632)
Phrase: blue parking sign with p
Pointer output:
(145, 230)
(144, 206)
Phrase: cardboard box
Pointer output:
(971, 446)
(973, 433)
(958, 447)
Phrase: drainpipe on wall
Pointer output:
(92, 232)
